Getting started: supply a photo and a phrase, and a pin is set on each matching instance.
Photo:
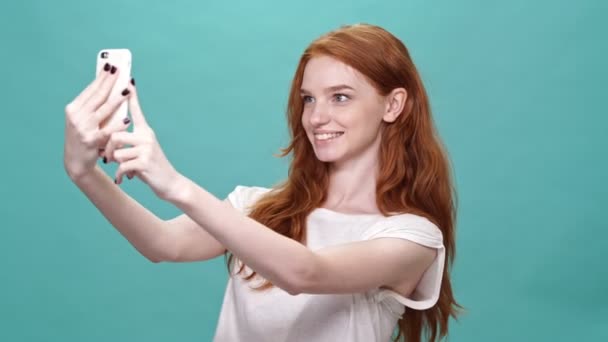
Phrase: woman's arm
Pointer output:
(277, 258)
(191, 242)
(179, 239)
(288, 264)
(176, 240)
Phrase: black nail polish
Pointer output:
(106, 67)
(113, 70)
(125, 92)
(132, 81)
(115, 181)
(105, 160)
(126, 121)
(128, 176)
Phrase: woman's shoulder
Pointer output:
(250, 189)
(244, 196)
(409, 218)
(407, 224)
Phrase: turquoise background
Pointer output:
(517, 89)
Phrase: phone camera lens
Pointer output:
(104, 54)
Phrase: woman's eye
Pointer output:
(341, 97)
(307, 99)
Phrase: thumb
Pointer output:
(136, 113)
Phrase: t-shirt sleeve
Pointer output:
(243, 197)
(420, 230)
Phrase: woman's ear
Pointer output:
(395, 102)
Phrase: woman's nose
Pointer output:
(319, 115)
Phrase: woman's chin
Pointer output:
(327, 157)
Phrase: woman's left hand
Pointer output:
(144, 158)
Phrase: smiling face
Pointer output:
(342, 111)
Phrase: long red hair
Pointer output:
(414, 177)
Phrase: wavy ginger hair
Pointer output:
(414, 172)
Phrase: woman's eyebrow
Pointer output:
(330, 89)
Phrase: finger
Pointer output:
(79, 100)
(133, 165)
(125, 154)
(103, 92)
(103, 149)
(134, 107)
(106, 132)
(118, 138)
(109, 107)
(131, 174)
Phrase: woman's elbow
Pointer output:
(154, 259)
(301, 279)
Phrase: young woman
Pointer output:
(356, 242)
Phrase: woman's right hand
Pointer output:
(83, 136)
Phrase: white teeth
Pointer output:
(327, 136)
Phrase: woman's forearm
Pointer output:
(144, 230)
(279, 259)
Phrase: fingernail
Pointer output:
(115, 181)
(126, 121)
(106, 67)
(128, 176)
(105, 160)
(132, 81)
(125, 92)
(113, 70)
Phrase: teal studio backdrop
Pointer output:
(517, 91)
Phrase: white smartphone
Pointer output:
(120, 58)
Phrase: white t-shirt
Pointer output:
(275, 315)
